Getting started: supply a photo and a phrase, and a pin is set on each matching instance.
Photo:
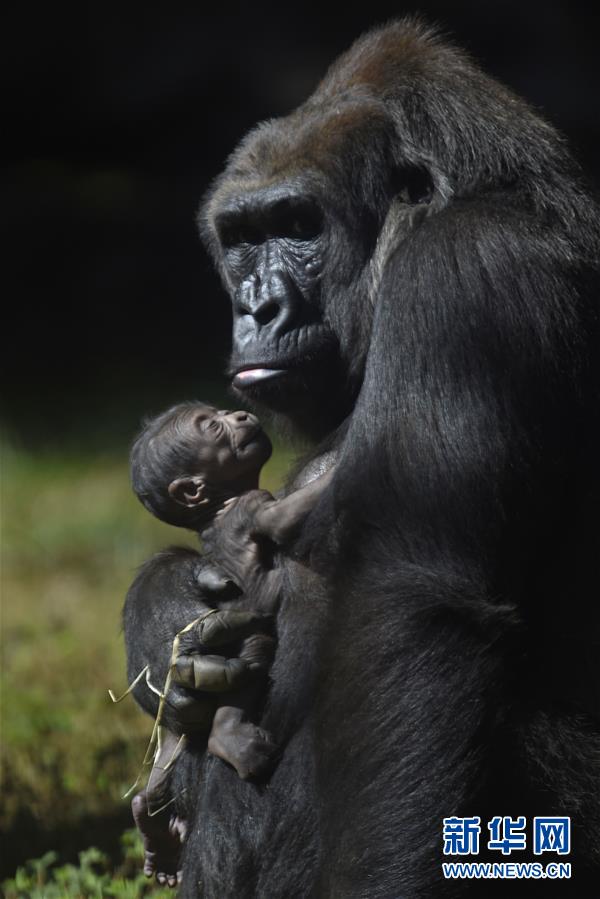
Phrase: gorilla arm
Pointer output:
(281, 520)
(250, 527)
(479, 341)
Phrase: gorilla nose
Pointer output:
(272, 304)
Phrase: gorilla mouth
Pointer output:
(269, 364)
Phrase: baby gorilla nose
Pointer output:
(245, 430)
(241, 418)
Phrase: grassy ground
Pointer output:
(72, 537)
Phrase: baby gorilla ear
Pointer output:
(189, 492)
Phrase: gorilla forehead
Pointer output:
(348, 115)
(303, 151)
(397, 96)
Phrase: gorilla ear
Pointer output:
(189, 492)
(413, 185)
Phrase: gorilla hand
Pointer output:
(195, 670)
(173, 588)
(220, 627)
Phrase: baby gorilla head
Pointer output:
(189, 460)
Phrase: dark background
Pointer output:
(115, 125)
(115, 121)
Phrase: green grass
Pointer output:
(93, 876)
(72, 537)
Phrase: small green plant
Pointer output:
(95, 877)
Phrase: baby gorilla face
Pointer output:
(226, 444)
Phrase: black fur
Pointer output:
(444, 660)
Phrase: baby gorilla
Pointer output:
(197, 467)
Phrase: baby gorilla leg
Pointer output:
(162, 835)
(247, 747)
(162, 830)
(234, 738)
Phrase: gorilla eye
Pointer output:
(234, 231)
(295, 220)
(291, 218)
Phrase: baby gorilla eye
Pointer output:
(203, 420)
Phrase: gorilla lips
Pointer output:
(252, 376)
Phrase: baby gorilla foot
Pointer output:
(247, 747)
(162, 834)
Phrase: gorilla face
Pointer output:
(294, 225)
(272, 243)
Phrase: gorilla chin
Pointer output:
(275, 388)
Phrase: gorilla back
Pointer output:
(412, 261)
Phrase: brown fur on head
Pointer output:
(400, 127)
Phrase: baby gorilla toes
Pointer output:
(256, 756)
(248, 748)
(162, 835)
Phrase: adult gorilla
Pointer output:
(412, 261)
